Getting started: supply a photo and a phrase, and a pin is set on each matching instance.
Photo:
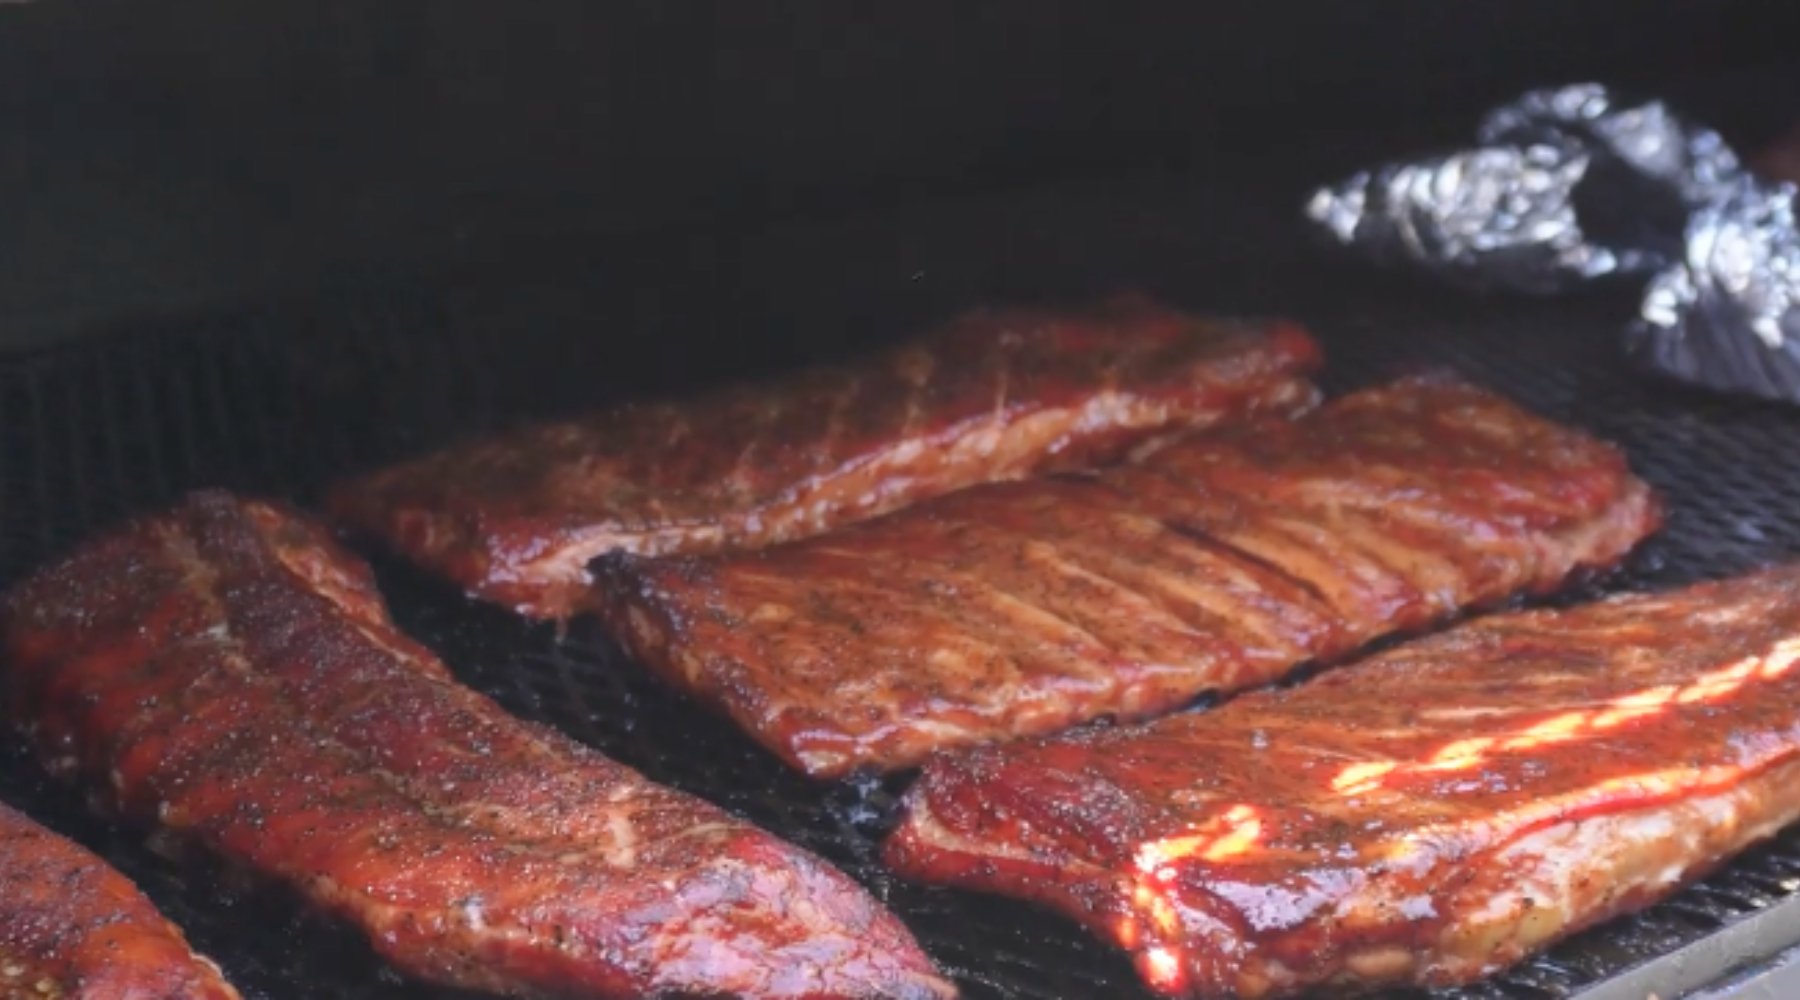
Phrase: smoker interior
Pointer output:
(281, 398)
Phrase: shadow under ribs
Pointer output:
(1430, 815)
(72, 926)
(229, 672)
(1218, 563)
(994, 395)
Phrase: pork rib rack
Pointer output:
(1429, 816)
(997, 394)
(1219, 563)
(227, 671)
(73, 928)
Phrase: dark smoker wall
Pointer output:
(163, 155)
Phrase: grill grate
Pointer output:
(280, 401)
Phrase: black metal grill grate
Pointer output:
(280, 401)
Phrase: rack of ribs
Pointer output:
(227, 671)
(1219, 563)
(1428, 816)
(996, 394)
(71, 926)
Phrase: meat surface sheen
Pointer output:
(226, 671)
(72, 927)
(1218, 563)
(997, 394)
(1430, 815)
(1781, 160)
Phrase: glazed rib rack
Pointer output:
(282, 402)
(1215, 565)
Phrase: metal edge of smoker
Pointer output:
(1755, 958)
(1778, 979)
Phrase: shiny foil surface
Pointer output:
(1566, 185)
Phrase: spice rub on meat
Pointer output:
(227, 671)
(73, 928)
(1428, 816)
(1218, 563)
(995, 395)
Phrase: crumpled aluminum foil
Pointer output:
(1728, 316)
(1496, 216)
(1648, 138)
(1570, 184)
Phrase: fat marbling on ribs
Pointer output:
(1430, 815)
(227, 671)
(1218, 563)
(73, 928)
(996, 394)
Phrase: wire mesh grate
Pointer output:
(281, 401)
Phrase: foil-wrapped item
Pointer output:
(1570, 184)
(1728, 316)
(1648, 140)
(1481, 217)
(1566, 185)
